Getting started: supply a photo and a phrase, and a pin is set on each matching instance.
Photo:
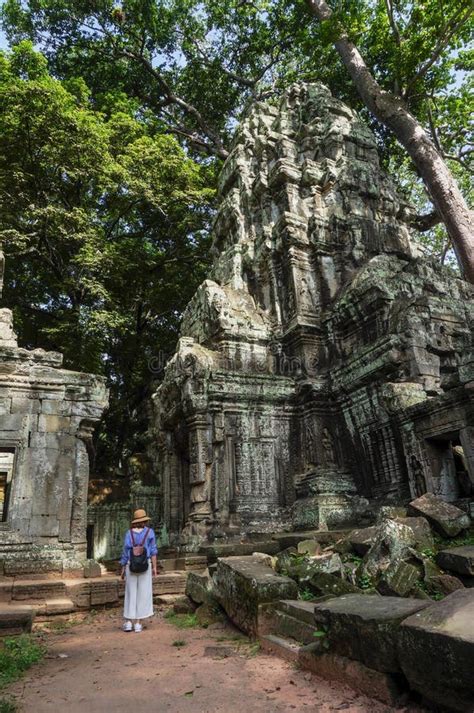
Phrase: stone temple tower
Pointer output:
(47, 416)
(325, 362)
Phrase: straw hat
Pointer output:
(140, 516)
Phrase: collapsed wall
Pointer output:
(47, 417)
(325, 361)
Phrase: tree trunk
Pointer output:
(391, 112)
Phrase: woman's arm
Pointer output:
(153, 550)
(125, 556)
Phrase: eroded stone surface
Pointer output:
(447, 519)
(436, 651)
(365, 627)
(324, 360)
(241, 584)
(457, 559)
(47, 417)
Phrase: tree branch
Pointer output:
(439, 47)
(425, 221)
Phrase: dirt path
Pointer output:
(95, 667)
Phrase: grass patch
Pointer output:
(8, 705)
(16, 656)
(179, 643)
(182, 621)
(446, 542)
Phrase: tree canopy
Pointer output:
(103, 221)
(151, 92)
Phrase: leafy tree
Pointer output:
(391, 108)
(104, 223)
(196, 65)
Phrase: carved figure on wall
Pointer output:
(328, 447)
(418, 477)
(306, 295)
(310, 442)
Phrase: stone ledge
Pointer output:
(364, 627)
(436, 651)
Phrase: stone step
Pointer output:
(37, 589)
(60, 605)
(291, 619)
(16, 619)
(301, 610)
(239, 549)
(291, 628)
(167, 599)
(280, 646)
(324, 537)
(170, 583)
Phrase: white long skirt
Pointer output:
(138, 594)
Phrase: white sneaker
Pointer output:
(138, 627)
(127, 626)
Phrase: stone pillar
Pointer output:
(466, 436)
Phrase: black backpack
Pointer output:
(138, 555)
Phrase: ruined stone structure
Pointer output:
(325, 362)
(47, 416)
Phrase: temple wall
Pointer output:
(316, 370)
(47, 417)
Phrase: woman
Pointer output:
(138, 587)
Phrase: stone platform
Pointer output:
(23, 601)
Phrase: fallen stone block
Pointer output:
(16, 620)
(423, 537)
(263, 558)
(446, 519)
(436, 651)
(361, 540)
(183, 605)
(398, 579)
(457, 559)
(92, 569)
(242, 584)
(309, 547)
(443, 584)
(199, 587)
(364, 627)
(325, 584)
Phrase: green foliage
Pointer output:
(8, 705)
(194, 66)
(364, 581)
(104, 215)
(182, 621)
(443, 543)
(306, 595)
(16, 656)
(104, 223)
(320, 634)
(179, 643)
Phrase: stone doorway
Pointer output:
(7, 458)
(90, 542)
(448, 466)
